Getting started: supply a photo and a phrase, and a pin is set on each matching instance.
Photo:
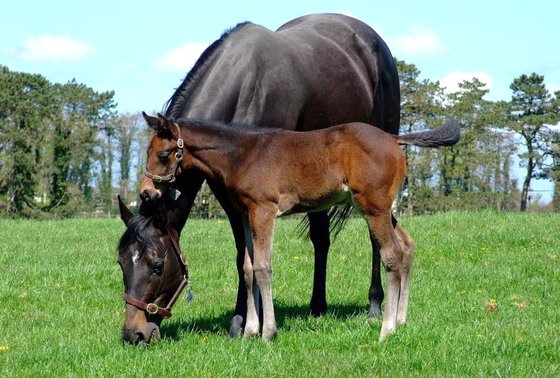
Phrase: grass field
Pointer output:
(485, 301)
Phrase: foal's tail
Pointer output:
(446, 135)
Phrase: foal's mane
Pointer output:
(172, 108)
(222, 126)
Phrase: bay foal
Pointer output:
(272, 172)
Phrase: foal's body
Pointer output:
(272, 172)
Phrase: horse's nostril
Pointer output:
(145, 195)
(139, 338)
(131, 337)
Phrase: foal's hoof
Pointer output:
(375, 311)
(236, 326)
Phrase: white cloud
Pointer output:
(182, 58)
(49, 48)
(418, 42)
(451, 80)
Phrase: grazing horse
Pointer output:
(314, 72)
(271, 172)
(153, 278)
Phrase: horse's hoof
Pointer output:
(375, 311)
(317, 309)
(236, 326)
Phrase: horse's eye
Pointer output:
(158, 268)
(163, 157)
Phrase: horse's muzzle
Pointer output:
(141, 337)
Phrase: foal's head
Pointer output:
(151, 272)
(164, 156)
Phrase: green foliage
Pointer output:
(484, 302)
(64, 151)
(530, 111)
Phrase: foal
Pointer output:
(272, 172)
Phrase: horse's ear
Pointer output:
(126, 214)
(158, 124)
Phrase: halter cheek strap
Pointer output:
(152, 308)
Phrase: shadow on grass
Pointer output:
(220, 324)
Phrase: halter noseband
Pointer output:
(170, 178)
(154, 309)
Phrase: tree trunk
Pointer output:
(526, 184)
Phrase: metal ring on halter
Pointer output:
(152, 308)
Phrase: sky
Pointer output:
(142, 50)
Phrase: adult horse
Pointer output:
(315, 71)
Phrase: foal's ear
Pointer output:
(158, 124)
(126, 214)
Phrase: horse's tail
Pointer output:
(446, 135)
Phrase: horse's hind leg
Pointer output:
(376, 289)
(319, 235)
(407, 245)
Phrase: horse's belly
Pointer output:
(291, 204)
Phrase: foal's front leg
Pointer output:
(261, 222)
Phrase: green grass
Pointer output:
(485, 300)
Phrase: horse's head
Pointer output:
(164, 157)
(153, 274)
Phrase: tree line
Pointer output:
(66, 151)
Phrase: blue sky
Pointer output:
(143, 49)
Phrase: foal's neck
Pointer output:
(213, 149)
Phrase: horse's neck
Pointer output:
(212, 150)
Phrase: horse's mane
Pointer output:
(137, 227)
(173, 106)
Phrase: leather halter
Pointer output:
(152, 308)
(170, 178)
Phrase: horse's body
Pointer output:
(267, 173)
(313, 72)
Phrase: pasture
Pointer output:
(485, 300)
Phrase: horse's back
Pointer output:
(350, 67)
(313, 72)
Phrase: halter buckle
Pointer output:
(152, 308)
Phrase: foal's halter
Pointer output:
(154, 309)
(170, 178)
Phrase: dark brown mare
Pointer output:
(313, 72)
(270, 172)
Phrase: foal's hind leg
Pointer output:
(319, 235)
(407, 245)
(392, 257)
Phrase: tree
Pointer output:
(80, 117)
(481, 161)
(130, 138)
(420, 108)
(25, 106)
(531, 110)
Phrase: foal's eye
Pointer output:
(158, 268)
(163, 157)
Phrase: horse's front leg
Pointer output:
(236, 223)
(319, 235)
